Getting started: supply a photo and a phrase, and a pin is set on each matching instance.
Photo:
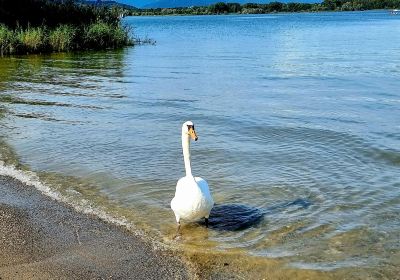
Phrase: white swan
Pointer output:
(192, 199)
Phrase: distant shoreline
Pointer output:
(277, 13)
(225, 8)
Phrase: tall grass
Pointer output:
(8, 42)
(62, 38)
(32, 39)
(101, 35)
(98, 35)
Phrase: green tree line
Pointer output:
(273, 7)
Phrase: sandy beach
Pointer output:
(43, 239)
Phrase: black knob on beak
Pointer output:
(195, 139)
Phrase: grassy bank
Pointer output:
(38, 26)
(98, 35)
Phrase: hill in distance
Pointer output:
(107, 3)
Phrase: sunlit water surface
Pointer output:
(298, 122)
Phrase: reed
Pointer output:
(62, 38)
(31, 39)
(7, 41)
(100, 35)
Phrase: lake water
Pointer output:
(298, 122)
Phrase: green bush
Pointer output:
(32, 39)
(101, 35)
(8, 40)
(97, 35)
(62, 38)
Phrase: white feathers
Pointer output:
(192, 199)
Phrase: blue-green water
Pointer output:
(297, 115)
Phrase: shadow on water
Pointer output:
(235, 217)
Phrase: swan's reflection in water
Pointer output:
(234, 217)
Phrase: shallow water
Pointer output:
(298, 123)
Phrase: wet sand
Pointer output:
(44, 239)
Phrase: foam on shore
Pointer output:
(30, 178)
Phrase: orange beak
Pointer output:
(193, 134)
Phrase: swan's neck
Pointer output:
(186, 153)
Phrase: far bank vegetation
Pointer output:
(273, 7)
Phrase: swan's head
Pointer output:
(188, 128)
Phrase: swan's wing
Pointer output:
(206, 192)
(201, 182)
(179, 192)
(184, 188)
(203, 185)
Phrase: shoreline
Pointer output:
(258, 9)
(41, 238)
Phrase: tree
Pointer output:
(275, 6)
(234, 7)
(219, 8)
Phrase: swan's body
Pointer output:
(192, 199)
